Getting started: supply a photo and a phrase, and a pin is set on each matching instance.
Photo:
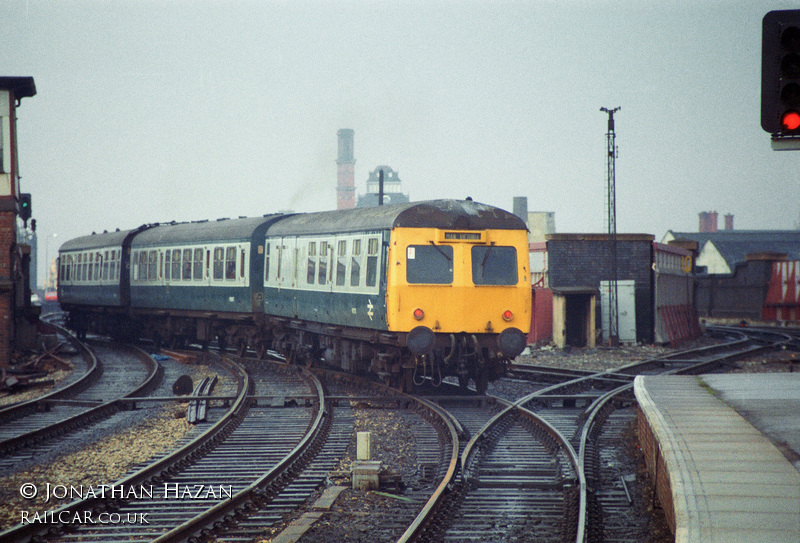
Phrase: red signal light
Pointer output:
(419, 314)
(508, 315)
(790, 120)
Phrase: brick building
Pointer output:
(14, 290)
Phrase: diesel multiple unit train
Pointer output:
(409, 292)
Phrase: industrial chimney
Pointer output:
(345, 189)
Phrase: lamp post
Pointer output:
(47, 281)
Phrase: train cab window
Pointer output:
(355, 264)
(230, 263)
(372, 262)
(341, 262)
(219, 262)
(429, 264)
(493, 265)
(197, 270)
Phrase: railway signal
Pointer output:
(25, 206)
(780, 78)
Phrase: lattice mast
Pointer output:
(611, 209)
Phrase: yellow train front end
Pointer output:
(461, 297)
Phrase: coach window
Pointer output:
(90, 276)
(323, 263)
(230, 263)
(372, 262)
(168, 264)
(176, 264)
(197, 269)
(429, 264)
(266, 261)
(219, 262)
(493, 265)
(341, 262)
(186, 265)
(311, 271)
(355, 264)
(152, 273)
(241, 263)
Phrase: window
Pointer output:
(186, 265)
(341, 263)
(152, 266)
(429, 264)
(219, 262)
(91, 267)
(266, 261)
(241, 263)
(355, 264)
(372, 262)
(197, 271)
(105, 265)
(168, 264)
(311, 269)
(323, 263)
(176, 264)
(230, 263)
(493, 265)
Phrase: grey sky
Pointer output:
(154, 111)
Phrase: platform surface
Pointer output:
(729, 481)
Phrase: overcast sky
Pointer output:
(152, 111)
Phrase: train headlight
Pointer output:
(508, 316)
(419, 314)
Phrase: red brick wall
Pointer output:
(656, 469)
(8, 238)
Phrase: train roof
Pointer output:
(442, 214)
(96, 241)
(202, 231)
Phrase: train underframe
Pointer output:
(467, 357)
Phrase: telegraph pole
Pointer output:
(613, 304)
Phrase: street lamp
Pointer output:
(47, 281)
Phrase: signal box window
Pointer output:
(492, 265)
(429, 264)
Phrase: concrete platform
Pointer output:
(717, 476)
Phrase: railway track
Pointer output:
(28, 429)
(546, 468)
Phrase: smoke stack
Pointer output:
(345, 188)
(708, 221)
(729, 221)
